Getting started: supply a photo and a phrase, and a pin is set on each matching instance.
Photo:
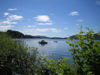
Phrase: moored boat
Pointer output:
(43, 42)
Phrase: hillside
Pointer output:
(17, 34)
(97, 37)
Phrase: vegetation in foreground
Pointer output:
(86, 53)
(15, 59)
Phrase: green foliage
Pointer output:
(86, 53)
(16, 57)
(59, 67)
(56, 67)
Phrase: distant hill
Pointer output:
(17, 34)
(57, 38)
(97, 37)
(41, 36)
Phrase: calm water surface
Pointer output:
(57, 49)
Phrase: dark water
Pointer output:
(55, 47)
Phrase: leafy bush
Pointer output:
(15, 58)
(86, 53)
(57, 67)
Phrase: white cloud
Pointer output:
(80, 20)
(11, 19)
(39, 31)
(29, 26)
(43, 20)
(42, 30)
(45, 23)
(74, 13)
(5, 27)
(47, 29)
(39, 34)
(7, 22)
(6, 14)
(98, 2)
(32, 32)
(12, 9)
(14, 17)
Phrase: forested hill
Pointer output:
(17, 34)
(96, 36)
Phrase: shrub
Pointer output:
(86, 53)
(57, 67)
(15, 58)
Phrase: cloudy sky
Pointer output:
(49, 17)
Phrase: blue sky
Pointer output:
(59, 18)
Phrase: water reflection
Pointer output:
(55, 41)
(42, 44)
(54, 47)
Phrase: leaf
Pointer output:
(99, 33)
(65, 59)
(70, 50)
(67, 42)
(73, 39)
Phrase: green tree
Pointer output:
(86, 53)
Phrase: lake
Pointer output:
(55, 47)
